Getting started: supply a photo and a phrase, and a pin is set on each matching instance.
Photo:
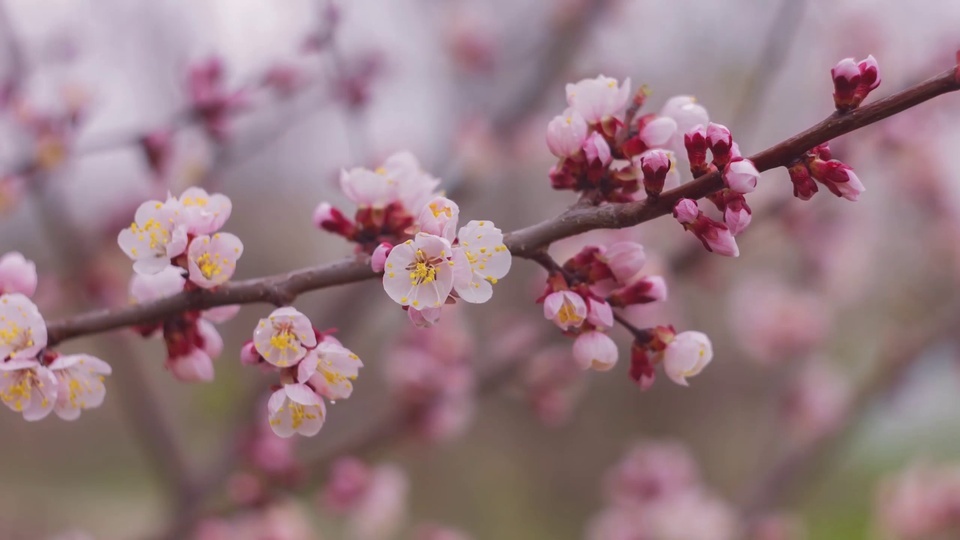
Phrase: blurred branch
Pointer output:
(797, 466)
(281, 289)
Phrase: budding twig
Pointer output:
(524, 243)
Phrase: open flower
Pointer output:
(213, 259)
(686, 356)
(566, 134)
(284, 337)
(599, 98)
(329, 369)
(80, 380)
(296, 408)
(204, 213)
(565, 308)
(156, 236)
(28, 388)
(480, 260)
(17, 274)
(419, 272)
(23, 333)
(440, 217)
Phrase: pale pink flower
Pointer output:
(382, 511)
(284, 337)
(212, 260)
(378, 259)
(204, 213)
(80, 379)
(366, 188)
(566, 309)
(741, 176)
(156, 236)
(149, 287)
(625, 260)
(17, 274)
(329, 370)
(595, 148)
(566, 134)
(27, 387)
(650, 471)
(296, 408)
(439, 218)
(424, 318)
(23, 332)
(693, 515)
(686, 356)
(658, 133)
(920, 502)
(249, 356)
(419, 272)
(595, 350)
(414, 187)
(480, 261)
(599, 314)
(599, 98)
(195, 365)
(687, 113)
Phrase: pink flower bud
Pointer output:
(803, 185)
(439, 218)
(686, 211)
(595, 147)
(846, 79)
(686, 356)
(379, 257)
(600, 314)
(869, 73)
(566, 134)
(565, 308)
(643, 291)
(424, 318)
(595, 350)
(625, 260)
(737, 216)
(194, 366)
(655, 165)
(641, 366)
(718, 239)
(741, 176)
(695, 141)
(17, 274)
(720, 141)
(329, 218)
(249, 355)
(838, 177)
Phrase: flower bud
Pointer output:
(803, 185)
(439, 218)
(641, 366)
(655, 165)
(695, 141)
(686, 356)
(329, 218)
(741, 176)
(249, 355)
(643, 291)
(720, 141)
(595, 147)
(566, 134)
(379, 258)
(599, 314)
(595, 350)
(17, 274)
(686, 211)
(625, 260)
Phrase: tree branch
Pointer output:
(281, 289)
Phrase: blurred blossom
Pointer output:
(373, 499)
(816, 401)
(773, 322)
(554, 384)
(923, 501)
(649, 471)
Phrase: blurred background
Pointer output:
(834, 333)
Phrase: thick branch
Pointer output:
(525, 243)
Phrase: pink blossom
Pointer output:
(249, 355)
(625, 260)
(382, 511)
(213, 260)
(400, 179)
(378, 259)
(655, 166)
(741, 176)
(566, 134)
(658, 132)
(869, 73)
(566, 309)
(23, 332)
(331, 219)
(920, 502)
(687, 113)
(27, 387)
(419, 272)
(296, 408)
(838, 177)
(650, 471)
(80, 380)
(157, 146)
(329, 370)
(194, 365)
(595, 148)
(686, 211)
(599, 98)
(846, 80)
(349, 481)
(439, 218)
(480, 260)
(156, 236)
(599, 314)
(737, 218)
(284, 337)
(720, 141)
(719, 240)
(686, 356)
(149, 287)
(695, 143)
(595, 350)
(17, 274)
(203, 213)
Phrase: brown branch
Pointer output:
(525, 243)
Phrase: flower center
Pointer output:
(159, 236)
(568, 314)
(209, 265)
(19, 338)
(423, 269)
(195, 201)
(299, 413)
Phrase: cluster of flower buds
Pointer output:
(191, 339)
(313, 365)
(210, 101)
(580, 297)
(653, 492)
(853, 81)
(183, 232)
(682, 355)
(605, 150)
(818, 165)
(35, 380)
(412, 235)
